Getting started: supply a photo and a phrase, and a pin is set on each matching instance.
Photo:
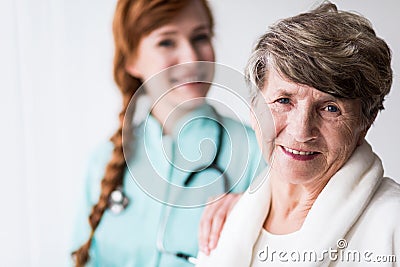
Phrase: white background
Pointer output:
(58, 100)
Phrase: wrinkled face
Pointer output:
(187, 38)
(316, 133)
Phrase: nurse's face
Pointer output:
(316, 133)
(186, 39)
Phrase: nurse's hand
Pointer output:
(213, 219)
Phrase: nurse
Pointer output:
(146, 189)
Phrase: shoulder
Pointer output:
(245, 154)
(378, 228)
(100, 155)
(89, 191)
(98, 159)
(387, 195)
(241, 137)
(385, 204)
(239, 131)
(234, 124)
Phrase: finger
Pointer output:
(218, 221)
(205, 226)
(220, 217)
(204, 229)
(216, 227)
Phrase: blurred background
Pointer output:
(58, 101)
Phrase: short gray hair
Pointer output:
(336, 52)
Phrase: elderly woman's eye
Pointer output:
(284, 100)
(332, 108)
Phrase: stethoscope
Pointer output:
(164, 221)
(118, 201)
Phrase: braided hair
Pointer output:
(133, 19)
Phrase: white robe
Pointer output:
(357, 205)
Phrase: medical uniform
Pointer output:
(156, 173)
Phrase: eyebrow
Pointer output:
(167, 33)
(283, 92)
(197, 29)
(325, 97)
(202, 27)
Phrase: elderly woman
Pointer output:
(323, 75)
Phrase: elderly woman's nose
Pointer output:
(302, 125)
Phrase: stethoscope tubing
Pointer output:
(118, 205)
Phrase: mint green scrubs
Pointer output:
(129, 238)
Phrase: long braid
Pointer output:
(113, 178)
(113, 175)
(115, 169)
(132, 20)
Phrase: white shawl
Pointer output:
(334, 212)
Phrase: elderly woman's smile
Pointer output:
(315, 132)
(299, 154)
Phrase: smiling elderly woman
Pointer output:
(323, 76)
